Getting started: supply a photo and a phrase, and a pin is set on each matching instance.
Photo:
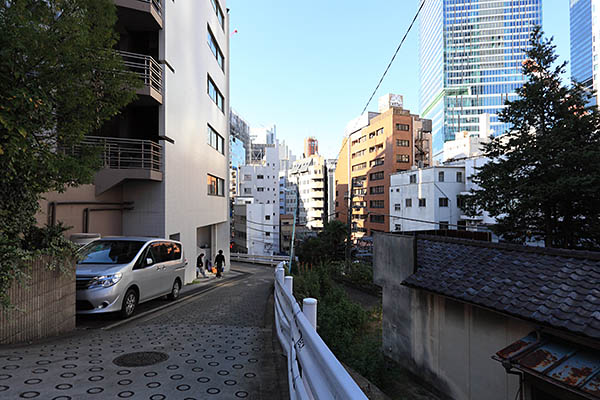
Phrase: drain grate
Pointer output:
(140, 359)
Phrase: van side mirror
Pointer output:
(149, 261)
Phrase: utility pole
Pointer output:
(349, 236)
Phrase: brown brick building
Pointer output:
(377, 145)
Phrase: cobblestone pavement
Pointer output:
(215, 346)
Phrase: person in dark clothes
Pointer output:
(220, 263)
(200, 266)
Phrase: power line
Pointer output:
(393, 57)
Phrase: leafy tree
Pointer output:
(543, 180)
(61, 80)
(327, 246)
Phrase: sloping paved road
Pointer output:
(219, 346)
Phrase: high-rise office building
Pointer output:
(584, 55)
(470, 55)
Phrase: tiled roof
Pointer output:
(556, 288)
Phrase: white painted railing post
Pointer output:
(279, 274)
(309, 308)
(289, 284)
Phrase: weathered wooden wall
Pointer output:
(45, 305)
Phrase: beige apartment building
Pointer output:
(376, 146)
(165, 157)
(307, 181)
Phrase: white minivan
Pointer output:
(118, 273)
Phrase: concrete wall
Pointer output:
(187, 111)
(44, 307)
(447, 343)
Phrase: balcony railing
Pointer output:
(146, 67)
(117, 153)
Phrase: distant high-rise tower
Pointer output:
(584, 55)
(311, 146)
(470, 56)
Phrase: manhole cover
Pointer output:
(140, 359)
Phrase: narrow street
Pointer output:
(217, 344)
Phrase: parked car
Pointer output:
(118, 273)
(81, 239)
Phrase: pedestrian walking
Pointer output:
(200, 266)
(220, 263)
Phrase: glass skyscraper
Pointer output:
(470, 57)
(584, 56)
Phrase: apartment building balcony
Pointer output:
(141, 15)
(151, 73)
(316, 203)
(123, 159)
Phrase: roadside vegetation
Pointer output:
(61, 79)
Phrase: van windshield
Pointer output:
(110, 251)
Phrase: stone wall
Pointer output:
(44, 306)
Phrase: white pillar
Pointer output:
(309, 308)
(289, 284)
(279, 274)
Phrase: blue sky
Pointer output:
(310, 66)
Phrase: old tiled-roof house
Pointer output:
(483, 320)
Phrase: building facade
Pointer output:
(260, 181)
(330, 166)
(584, 55)
(307, 191)
(255, 232)
(240, 131)
(470, 55)
(378, 145)
(311, 146)
(166, 156)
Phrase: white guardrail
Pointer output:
(249, 258)
(313, 370)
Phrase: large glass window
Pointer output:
(214, 47)
(214, 93)
(215, 140)
(218, 11)
(215, 186)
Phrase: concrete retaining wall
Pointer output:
(44, 307)
(447, 343)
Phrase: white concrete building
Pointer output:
(428, 198)
(254, 230)
(468, 144)
(172, 182)
(260, 181)
(307, 177)
(330, 166)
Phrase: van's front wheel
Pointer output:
(174, 295)
(129, 303)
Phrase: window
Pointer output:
(398, 227)
(379, 131)
(404, 158)
(375, 176)
(459, 176)
(444, 225)
(408, 202)
(247, 191)
(260, 189)
(219, 12)
(441, 176)
(402, 143)
(397, 206)
(215, 186)
(247, 177)
(378, 219)
(214, 93)
(267, 233)
(214, 47)
(377, 204)
(377, 189)
(267, 217)
(443, 202)
(376, 162)
(402, 127)
(360, 166)
(215, 140)
(413, 178)
(422, 202)
(260, 177)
